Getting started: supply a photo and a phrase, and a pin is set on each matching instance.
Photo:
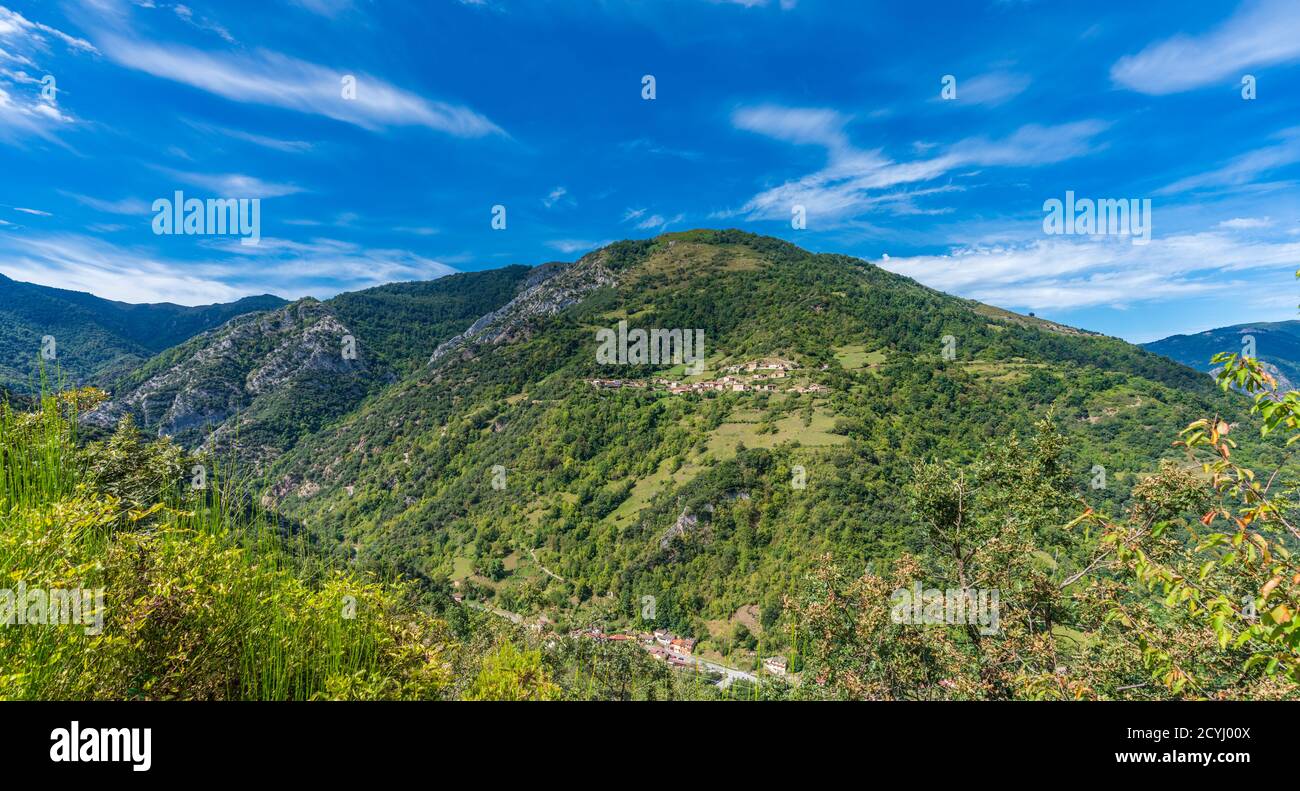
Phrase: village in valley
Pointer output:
(755, 376)
(676, 651)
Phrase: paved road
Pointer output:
(729, 674)
(513, 617)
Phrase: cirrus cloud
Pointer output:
(1260, 33)
(1060, 273)
(271, 78)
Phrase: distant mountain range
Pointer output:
(95, 339)
(1276, 344)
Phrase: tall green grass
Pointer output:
(202, 599)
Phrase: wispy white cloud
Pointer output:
(320, 268)
(555, 196)
(648, 146)
(1246, 223)
(571, 246)
(1260, 33)
(28, 106)
(855, 181)
(643, 221)
(1061, 273)
(28, 115)
(784, 5)
(126, 206)
(25, 34)
(801, 125)
(232, 185)
(657, 221)
(992, 89)
(265, 141)
(328, 8)
(20, 77)
(186, 14)
(1029, 146)
(1244, 169)
(83, 263)
(271, 78)
(12, 57)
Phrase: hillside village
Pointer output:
(668, 647)
(755, 376)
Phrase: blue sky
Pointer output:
(759, 107)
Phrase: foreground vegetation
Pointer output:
(201, 600)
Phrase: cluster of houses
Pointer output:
(661, 644)
(668, 647)
(776, 665)
(724, 385)
(760, 375)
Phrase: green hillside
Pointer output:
(524, 513)
(95, 339)
(613, 494)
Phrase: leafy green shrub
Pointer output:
(197, 603)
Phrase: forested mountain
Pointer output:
(512, 465)
(1276, 344)
(830, 432)
(255, 385)
(95, 339)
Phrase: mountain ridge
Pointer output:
(252, 386)
(478, 444)
(95, 339)
(1275, 343)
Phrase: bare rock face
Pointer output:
(548, 290)
(315, 347)
(219, 383)
(684, 526)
